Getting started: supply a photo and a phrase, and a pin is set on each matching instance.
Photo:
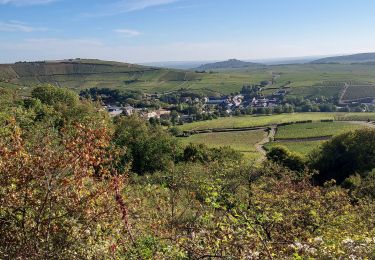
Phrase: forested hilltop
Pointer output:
(78, 184)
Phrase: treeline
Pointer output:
(119, 97)
(76, 184)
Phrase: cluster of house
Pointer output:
(240, 102)
(129, 110)
(229, 104)
(264, 102)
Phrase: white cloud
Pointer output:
(126, 6)
(128, 32)
(135, 5)
(16, 26)
(26, 2)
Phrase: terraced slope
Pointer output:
(81, 74)
(89, 73)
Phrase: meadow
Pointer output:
(302, 132)
(240, 141)
(295, 137)
(265, 120)
(315, 129)
(302, 148)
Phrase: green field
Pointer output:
(245, 141)
(316, 129)
(307, 80)
(241, 141)
(359, 91)
(250, 121)
(303, 148)
(355, 117)
(310, 80)
(84, 74)
(313, 74)
(309, 130)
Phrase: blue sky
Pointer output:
(179, 30)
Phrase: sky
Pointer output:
(139, 31)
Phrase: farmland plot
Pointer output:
(241, 141)
(313, 130)
(356, 92)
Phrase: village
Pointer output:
(183, 107)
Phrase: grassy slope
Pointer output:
(315, 129)
(307, 79)
(309, 130)
(94, 73)
(250, 121)
(241, 141)
(303, 148)
(310, 74)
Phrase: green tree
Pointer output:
(51, 95)
(345, 155)
(150, 148)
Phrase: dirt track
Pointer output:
(260, 146)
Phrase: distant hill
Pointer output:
(86, 73)
(183, 65)
(229, 64)
(347, 59)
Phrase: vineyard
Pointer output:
(240, 141)
(356, 92)
(313, 130)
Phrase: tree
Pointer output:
(51, 95)
(345, 155)
(150, 148)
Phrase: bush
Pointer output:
(283, 156)
(345, 155)
(59, 195)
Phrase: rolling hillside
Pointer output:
(87, 73)
(347, 59)
(303, 80)
(229, 64)
(82, 74)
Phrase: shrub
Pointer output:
(283, 156)
(345, 155)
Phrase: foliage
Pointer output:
(73, 185)
(345, 155)
(58, 193)
(150, 148)
(51, 95)
(361, 187)
(283, 156)
(201, 153)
